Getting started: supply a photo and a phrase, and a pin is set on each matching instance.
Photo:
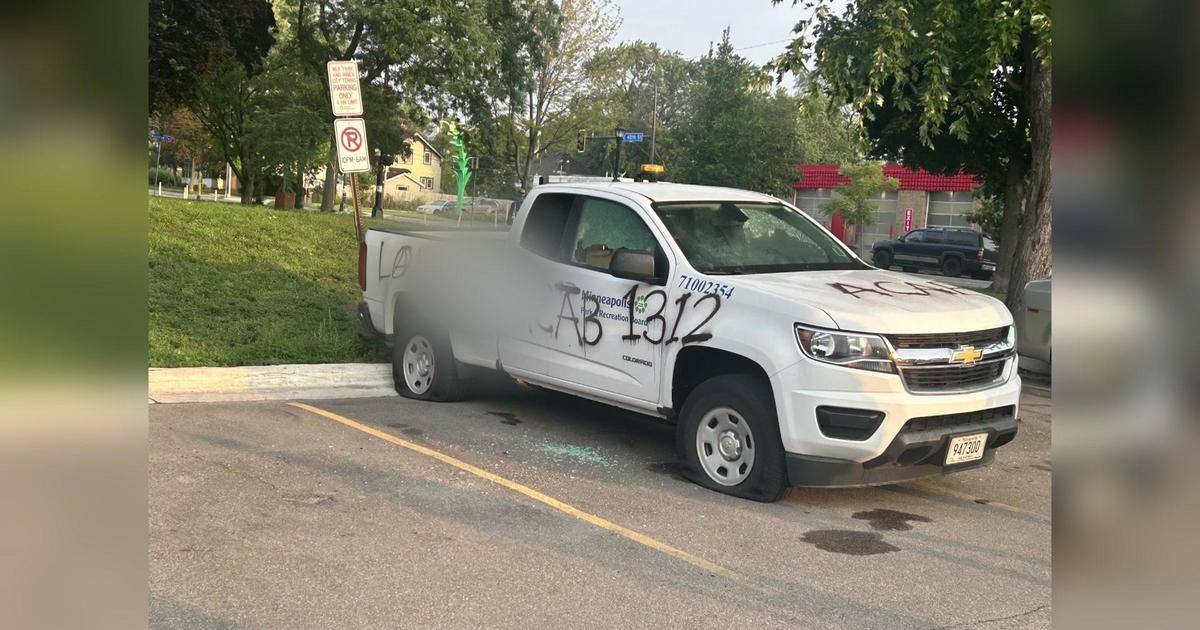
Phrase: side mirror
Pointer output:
(633, 265)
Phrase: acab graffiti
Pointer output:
(888, 288)
(657, 327)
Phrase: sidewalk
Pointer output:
(270, 382)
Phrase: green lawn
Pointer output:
(235, 285)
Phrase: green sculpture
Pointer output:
(462, 173)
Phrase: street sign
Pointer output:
(634, 136)
(908, 212)
(344, 93)
(351, 137)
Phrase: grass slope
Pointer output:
(235, 285)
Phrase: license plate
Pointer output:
(989, 267)
(965, 448)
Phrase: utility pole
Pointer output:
(654, 115)
(619, 135)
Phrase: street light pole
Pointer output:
(619, 133)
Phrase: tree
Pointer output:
(445, 55)
(224, 104)
(826, 134)
(736, 132)
(639, 87)
(543, 114)
(855, 203)
(946, 87)
(190, 39)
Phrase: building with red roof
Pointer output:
(923, 199)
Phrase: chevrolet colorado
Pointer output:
(783, 358)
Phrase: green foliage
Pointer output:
(238, 286)
(165, 176)
(855, 202)
(988, 216)
(825, 133)
(737, 133)
(189, 40)
(622, 82)
(938, 84)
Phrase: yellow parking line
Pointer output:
(637, 537)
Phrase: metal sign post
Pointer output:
(353, 156)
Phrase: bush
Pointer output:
(166, 177)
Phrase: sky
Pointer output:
(688, 26)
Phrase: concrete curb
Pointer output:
(270, 382)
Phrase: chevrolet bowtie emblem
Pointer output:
(966, 355)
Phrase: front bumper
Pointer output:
(912, 454)
(906, 445)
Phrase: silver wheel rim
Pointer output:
(725, 446)
(418, 364)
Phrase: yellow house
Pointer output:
(424, 166)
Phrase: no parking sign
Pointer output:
(351, 137)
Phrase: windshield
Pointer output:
(739, 237)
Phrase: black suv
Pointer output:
(953, 250)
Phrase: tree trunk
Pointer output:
(1014, 193)
(299, 187)
(248, 188)
(331, 171)
(1035, 257)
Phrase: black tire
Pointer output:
(766, 479)
(445, 382)
(883, 259)
(952, 267)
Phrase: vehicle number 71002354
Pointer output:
(703, 285)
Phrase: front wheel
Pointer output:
(883, 259)
(728, 438)
(423, 366)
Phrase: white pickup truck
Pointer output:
(783, 358)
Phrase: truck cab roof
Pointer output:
(665, 191)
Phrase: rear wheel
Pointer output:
(883, 259)
(952, 267)
(423, 366)
(728, 438)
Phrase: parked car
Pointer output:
(782, 358)
(433, 207)
(1033, 326)
(954, 251)
(481, 206)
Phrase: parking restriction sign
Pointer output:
(344, 92)
(351, 137)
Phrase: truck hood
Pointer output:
(880, 301)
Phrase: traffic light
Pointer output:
(581, 141)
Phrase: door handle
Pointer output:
(567, 287)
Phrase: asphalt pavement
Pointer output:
(521, 508)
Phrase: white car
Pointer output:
(433, 207)
(783, 358)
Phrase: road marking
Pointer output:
(587, 517)
(923, 486)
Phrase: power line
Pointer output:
(778, 41)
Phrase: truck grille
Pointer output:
(941, 378)
(976, 338)
(955, 420)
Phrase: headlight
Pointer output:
(865, 352)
